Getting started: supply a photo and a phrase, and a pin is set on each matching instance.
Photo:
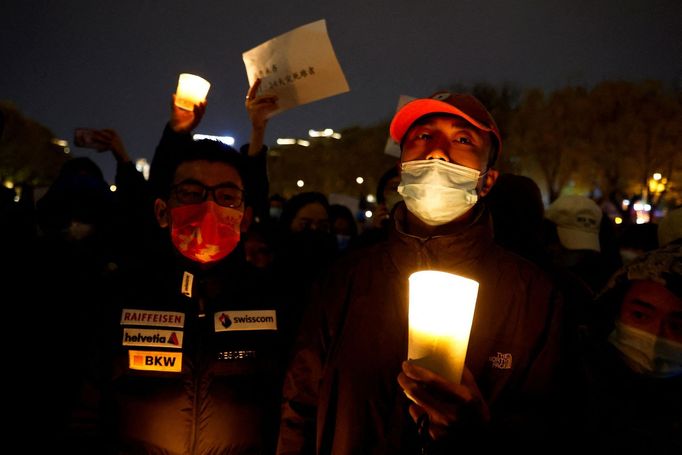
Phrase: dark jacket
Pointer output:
(341, 393)
(622, 411)
(191, 363)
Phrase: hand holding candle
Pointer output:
(440, 315)
(192, 89)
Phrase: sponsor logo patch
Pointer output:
(152, 318)
(152, 338)
(224, 321)
(186, 286)
(155, 361)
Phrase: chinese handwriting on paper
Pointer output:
(274, 81)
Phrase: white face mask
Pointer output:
(647, 354)
(436, 191)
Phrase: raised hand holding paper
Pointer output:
(299, 66)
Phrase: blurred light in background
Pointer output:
(142, 165)
(227, 140)
(62, 143)
(292, 141)
(327, 132)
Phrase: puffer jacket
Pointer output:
(192, 363)
(341, 393)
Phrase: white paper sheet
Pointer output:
(299, 66)
(392, 147)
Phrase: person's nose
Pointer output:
(439, 150)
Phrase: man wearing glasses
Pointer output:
(190, 360)
(205, 220)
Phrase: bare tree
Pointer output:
(28, 154)
(636, 131)
(547, 132)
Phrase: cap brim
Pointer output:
(574, 239)
(412, 111)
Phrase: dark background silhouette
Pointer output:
(113, 64)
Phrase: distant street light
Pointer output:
(142, 165)
(327, 132)
(656, 188)
(292, 141)
(64, 144)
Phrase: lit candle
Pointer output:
(440, 315)
(191, 90)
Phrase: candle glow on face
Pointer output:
(191, 90)
(440, 315)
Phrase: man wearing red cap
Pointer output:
(349, 390)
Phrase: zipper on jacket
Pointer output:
(424, 261)
(196, 357)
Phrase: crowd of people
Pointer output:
(196, 313)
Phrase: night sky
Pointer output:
(115, 63)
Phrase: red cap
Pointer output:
(459, 104)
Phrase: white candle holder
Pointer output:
(192, 89)
(440, 315)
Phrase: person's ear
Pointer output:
(162, 213)
(488, 181)
(246, 219)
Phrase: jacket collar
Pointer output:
(464, 245)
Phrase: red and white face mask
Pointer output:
(205, 232)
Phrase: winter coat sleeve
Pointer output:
(168, 152)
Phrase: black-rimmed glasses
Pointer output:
(193, 192)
